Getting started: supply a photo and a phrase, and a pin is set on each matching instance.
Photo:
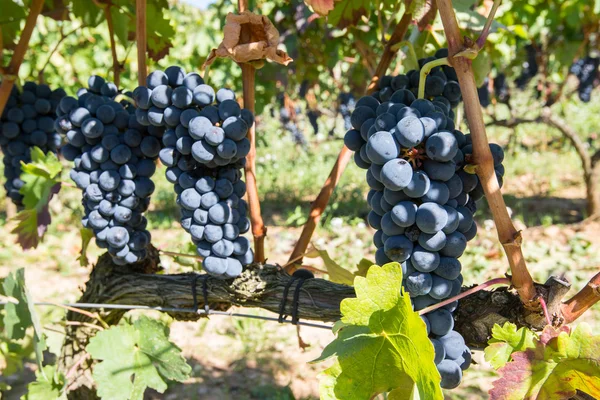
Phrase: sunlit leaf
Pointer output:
(383, 345)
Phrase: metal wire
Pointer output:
(169, 309)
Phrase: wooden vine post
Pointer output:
(508, 235)
(318, 206)
(11, 73)
(141, 39)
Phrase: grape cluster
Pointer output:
(204, 148)
(313, 119)
(483, 92)
(27, 121)
(114, 158)
(288, 121)
(441, 84)
(422, 200)
(501, 89)
(586, 71)
(346, 106)
(529, 68)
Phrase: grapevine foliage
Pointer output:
(379, 328)
(19, 313)
(560, 362)
(41, 181)
(506, 340)
(141, 350)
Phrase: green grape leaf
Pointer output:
(348, 12)
(560, 364)
(141, 349)
(13, 356)
(19, 312)
(482, 65)
(121, 21)
(48, 385)
(336, 273)
(160, 31)
(88, 12)
(41, 179)
(321, 7)
(505, 341)
(382, 343)
(86, 238)
(10, 22)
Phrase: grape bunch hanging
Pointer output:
(423, 196)
(27, 121)
(205, 146)
(586, 71)
(114, 160)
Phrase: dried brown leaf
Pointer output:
(249, 37)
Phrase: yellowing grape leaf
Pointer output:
(554, 370)
(141, 350)
(382, 344)
(506, 340)
(363, 266)
(336, 273)
(86, 238)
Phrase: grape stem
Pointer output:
(508, 235)
(488, 23)
(176, 254)
(11, 73)
(320, 203)
(468, 292)
(140, 39)
(426, 70)
(411, 50)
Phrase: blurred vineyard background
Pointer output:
(300, 129)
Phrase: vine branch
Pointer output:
(582, 301)
(113, 46)
(320, 203)
(259, 231)
(141, 40)
(507, 233)
(11, 73)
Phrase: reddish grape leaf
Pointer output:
(348, 12)
(321, 7)
(553, 371)
(550, 333)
